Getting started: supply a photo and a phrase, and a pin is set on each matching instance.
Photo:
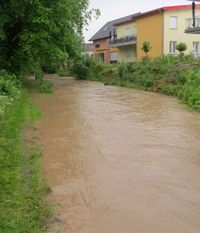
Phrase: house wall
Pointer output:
(150, 28)
(126, 29)
(127, 53)
(103, 50)
(178, 34)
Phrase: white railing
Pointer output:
(123, 41)
(189, 23)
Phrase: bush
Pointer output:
(163, 75)
(9, 90)
(81, 70)
(181, 47)
(45, 87)
(63, 72)
(86, 68)
(190, 91)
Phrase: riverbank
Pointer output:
(167, 75)
(23, 190)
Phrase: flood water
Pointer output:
(119, 160)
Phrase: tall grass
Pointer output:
(22, 190)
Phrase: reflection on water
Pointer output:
(120, 160)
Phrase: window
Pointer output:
(196, 47)
(173, 22)
(113, 57)
(97, 44)
(172, 47)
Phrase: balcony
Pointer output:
(128, 40)
(193, 29)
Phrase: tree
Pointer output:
(181, 47)
(35, 32)
(146, 47)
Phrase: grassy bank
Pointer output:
(22, 189)
(168, 75)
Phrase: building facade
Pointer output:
(193, 23)
(174, 31)
(126, 41)
(103, 53)
(103, 50)
(164, 28)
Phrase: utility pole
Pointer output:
(193, 14)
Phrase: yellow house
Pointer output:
(126, 41)
(174, 30)
(193, 23)
(163, 28)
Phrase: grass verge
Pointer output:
(22, 189)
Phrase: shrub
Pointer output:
(163, 74)
(146, 47)
(190, 91)
(9, 90)
(181, 47)
(64, 72)
(121, 72)
(81, 70)
(45, 87)
(4, 102)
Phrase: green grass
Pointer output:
(23, 208)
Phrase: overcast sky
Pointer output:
(113, 9)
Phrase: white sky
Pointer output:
(113, 9)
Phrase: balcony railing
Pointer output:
(193, 27)
(128, 40)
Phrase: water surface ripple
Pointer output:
(120, 160)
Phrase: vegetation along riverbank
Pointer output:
(34, 35)
(22, 203)
(177, 76)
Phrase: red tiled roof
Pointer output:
(180, 7)
(168, 8)
(162, 9)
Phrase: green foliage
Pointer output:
(36, 33)
(9, 90)
(190, 91)
(45, 87)
(146, 47)
(164, 75)
(181, 47)
(22, 204)
(84, 68)
(121, 72)
(64, 72)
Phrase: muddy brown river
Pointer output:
(119, 160)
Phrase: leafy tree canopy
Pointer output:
(34, 32)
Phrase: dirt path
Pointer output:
(119, 160)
